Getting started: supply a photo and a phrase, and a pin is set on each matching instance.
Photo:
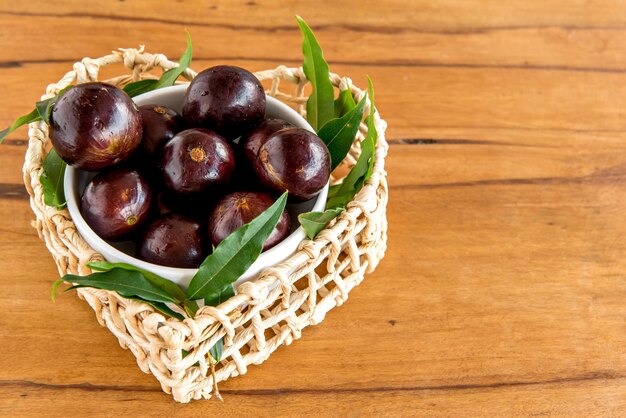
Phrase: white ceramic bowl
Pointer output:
(76, 180)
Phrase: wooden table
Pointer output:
(503, 291)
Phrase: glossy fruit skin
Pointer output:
(246, 150)
(252, 142)
(160, 124)
(226, 99)
(197, 160)
(294, 160)
(239, 208)
(116, 203)
(173, 240)
(95, 125)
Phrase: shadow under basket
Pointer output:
(267, 312)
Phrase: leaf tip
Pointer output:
(371, 88)
(55, 287)
(3, 134)
(302, 23)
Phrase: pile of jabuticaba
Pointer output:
(179, 184)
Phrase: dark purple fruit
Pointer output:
(245, 178)
(251, 143)
(115, 203)
(294, 160)
(196, 160)
(95, 125)
(160, 124)
(239, 208)
(172, 240)
(226, 99)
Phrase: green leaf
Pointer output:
(216, 350)
(362, 170)
(314, 222)
(127, 283)
(345, 102)
(22, 120)
(338, 134)
(371, 130)
(333, 189)
(139, 87)
(52, 180)
(190, 306)
(167, 285)
(55, 288)
(221, 296)
(44, 107)
(339, 201)
(41, 112)
(161, 307)
(232, 257)
(320, 107)
(168, 78)
(350, 183)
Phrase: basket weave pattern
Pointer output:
(267, 312)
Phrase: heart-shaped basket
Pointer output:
(267, 312)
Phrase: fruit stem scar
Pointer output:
(197, 154)
(160, 110)
(131, 220)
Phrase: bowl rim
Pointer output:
(264, 259)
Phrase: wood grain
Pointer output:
(502, 292)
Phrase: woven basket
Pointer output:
(267, 312)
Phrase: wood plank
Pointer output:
(423, 166)
(494, 104)
(444, 15)
(468, 276)
(502, 291)
(543, 47)
(579, 398)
